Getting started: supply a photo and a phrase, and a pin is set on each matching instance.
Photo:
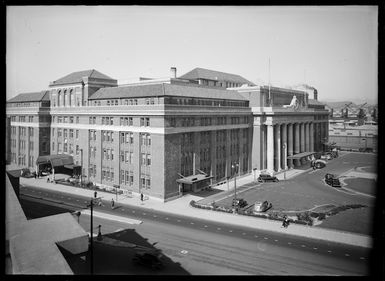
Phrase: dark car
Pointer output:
(26, 173)
(267, 178)
(149, 259)
(332, 180)
(317, 164)
(239, 202)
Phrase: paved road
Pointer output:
(204, 247)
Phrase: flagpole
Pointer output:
(269, 85)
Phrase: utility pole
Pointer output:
(81, 167)
(270, 104)
(91, 205)
(92, 237)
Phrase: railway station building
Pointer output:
(166, 137)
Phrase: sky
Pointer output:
(333, 49)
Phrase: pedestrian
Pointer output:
(112, 203)
(47, 178)
(95, 194)
(34, 174)
(141, 197)
(285, 222)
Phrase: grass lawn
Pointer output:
(352, 220)
(363, 185)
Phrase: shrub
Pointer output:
(314, 215)
(322, 216)
(192, 203)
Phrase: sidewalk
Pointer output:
(182, 207)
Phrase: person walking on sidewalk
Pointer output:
(285, 222)
(95, 194)
(112, 203)
(141, 197)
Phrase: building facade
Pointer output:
(165, 137)
(354, 138)
(28, 128)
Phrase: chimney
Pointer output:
(173, 72)
(315, 94)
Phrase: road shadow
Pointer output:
(207, 192)
(117, 260)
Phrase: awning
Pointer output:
(71, 166)
(55, 160)
(301, 155)
(194, 178)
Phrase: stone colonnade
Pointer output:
(287, 139)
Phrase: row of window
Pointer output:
(168, 100)
(64, 133)
(126, 137)
(27, 104)
(127, 157)
(108, 154)
(126, 177)
(66, 148)
(145, 121)
(107, 136)
(66, 98)
(65, 119)
(204, 102)
(31, 119)
(108, 174)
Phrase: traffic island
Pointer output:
(311, 217)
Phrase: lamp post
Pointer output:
(235, 166)
(91, 205)
(81, 167)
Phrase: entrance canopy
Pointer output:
(194, 179)
(301, 155)
(60, 160)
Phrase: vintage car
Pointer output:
(267, 178)
(262, 206)
(239, 202)
(332, 180)
(318, 164)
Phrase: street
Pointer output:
(200, 246)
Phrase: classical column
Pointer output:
(302, 141)
(296, 138)
(270, 148)
(311, 129)
(277, 139)
(307, 137)
(290, 143)
(284, 147)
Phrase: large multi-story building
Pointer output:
(28, 130)
(164, 137)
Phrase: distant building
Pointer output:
(354, 138)
(165, 137)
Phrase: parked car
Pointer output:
(318, 164)
(327, 156)
(149, 259)
(26, 173)
(332, 180)
(239, 202)
(262, 206)
(267, 178)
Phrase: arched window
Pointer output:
(65, 98)
(71, 100)
(59, 98)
